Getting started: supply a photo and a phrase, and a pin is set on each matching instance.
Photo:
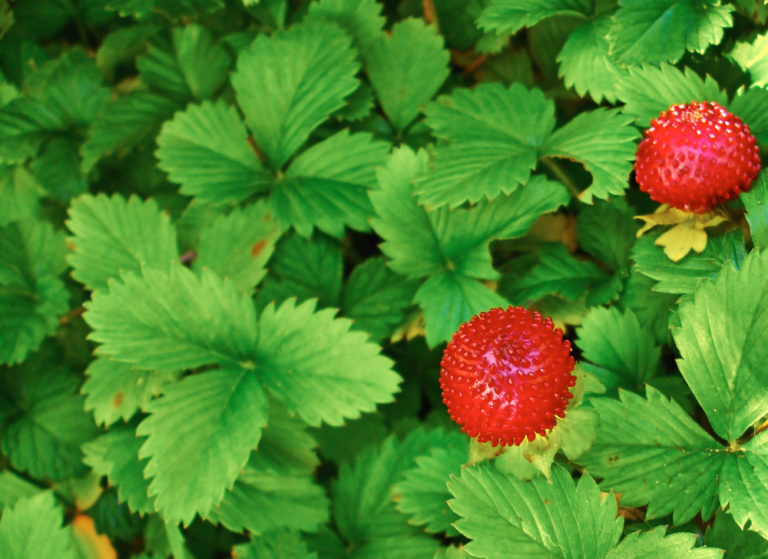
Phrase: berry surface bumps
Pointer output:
(506, 375)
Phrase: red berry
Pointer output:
(696, 156)
(505, 375)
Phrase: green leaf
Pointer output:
(128, 122)
(205, 150)
(651, 307)
(615, 216)
(32, 298)
(326, 185)
(237, 246)
(505, 517)
(115, 390)
(494, 134)
(286, 446)
(116, 455)
(585, 62)
(200, 434)
(406, 546)
(744, 485)
(683, 276)
(13, 488)
(173, 320)
(24, 124)
(749, 104)
(646, 91)
(57, 169)
(604, 141)
(113, 235)
(662, 30)
(376, 298)
(449, 299)
(203, 64)
(361, 19)
(33, 528)
(751, 57)
(726, 533)
(279, 544)
(283, 103)
(122, 45)
(46, 423)
(509, 16)
(317, 384)
(423, 493)
(621, 352)
(756, 204)
(654, 543)
(722, 340)
(305, 269)
(654, 454)
(406, 68)
(19, 195)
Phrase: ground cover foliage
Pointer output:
(235, 236)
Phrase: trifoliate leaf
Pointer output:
(116, 455)
(618, 350)
(362, 495)
(129, 121)
(305, 269)
(278, 544)
(509, 16)
(423, 494)
(494, 136)
(317, 384)
(203, 64)
(200, 434)
(604, 141)
(406, 68)
(654, 454)
(748, 105)
(507, 518)
(326, 185)
(46, 423)
(362, 19)
(683, 276)
(19, 194)
(283, 108)
(375, 298)
(33, 528)
(756, 204)
(173, 320)
(115, 390)
(205, 149)
(751, 57)
(744, 485)
(449, 299)
(32, 298)
(237, 246)
(113, 235)
(648, 90)
(654, 543)
(615, 216)
(663, 30)
(722, 343)
(725, 533)
(585, 63)
(13, 488)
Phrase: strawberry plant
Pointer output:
(256, 256)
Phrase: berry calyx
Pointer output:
(696, 156)
(506, 374)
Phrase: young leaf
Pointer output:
(237, 246)
(200, 434)
(494, 136)
(654, 543)
(662, 30)
(278, 544)
(604, 141)
(318, 385)
(33, 528)
(113, 235)
(326, 185)
(507, 518)
(509, 16)
(406, 68)
(756, 204)
(205, 150)
(285, 101)
(723, 344)
(173, 320)
(654, 454)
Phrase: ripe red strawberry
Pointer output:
(505, 375)
(696, 156)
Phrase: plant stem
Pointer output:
(561, 175)
(430, 14)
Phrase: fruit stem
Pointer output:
(561, 175)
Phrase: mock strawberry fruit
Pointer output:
(506, 375)
(696, 156)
